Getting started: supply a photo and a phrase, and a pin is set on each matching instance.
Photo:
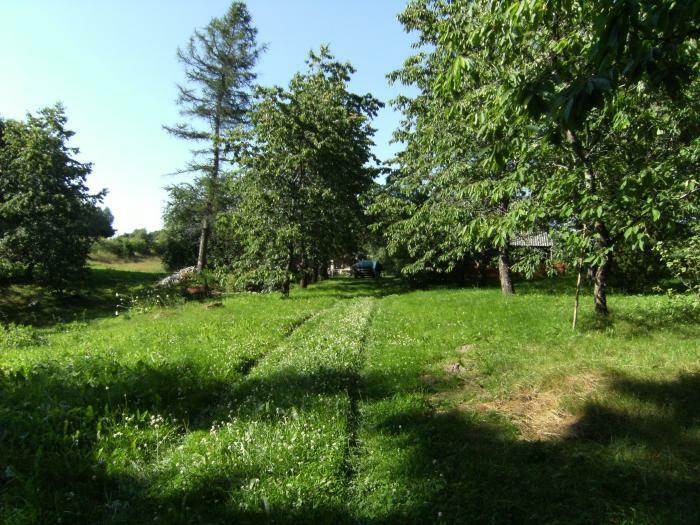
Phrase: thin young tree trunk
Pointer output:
(203, 242)
(578, 293)
(504, 271)
(603, 242)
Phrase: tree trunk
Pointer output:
(304, 281)
(210, 208)
(574, 322)
(603, 242)
(504, 271)
(601, 273)
(324, 270)
(288, 274)
(314, 275)
(203, 242)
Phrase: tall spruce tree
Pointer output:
(218, 62)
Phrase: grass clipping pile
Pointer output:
(542, 415)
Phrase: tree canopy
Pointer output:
(48, 218)
(303, 165)
(578, 118)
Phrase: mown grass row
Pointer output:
(281, 453)
(86, 416)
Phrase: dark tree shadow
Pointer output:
(90, 298)
(622, 464)
(351, 288)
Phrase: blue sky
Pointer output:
(112, 64)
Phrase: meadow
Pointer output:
(353, 401)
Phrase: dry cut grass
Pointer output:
(545, 414)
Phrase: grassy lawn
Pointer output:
(93, 297)
(357, 402)
(103, 260)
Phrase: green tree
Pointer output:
(596, 80)
(304, 165)
(450, 201)
(48, 219)
(218, 62)
(179, 241)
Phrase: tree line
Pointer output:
(578, 119)
(280, 171)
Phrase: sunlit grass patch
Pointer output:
(105, 260)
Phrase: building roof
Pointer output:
(532, 240)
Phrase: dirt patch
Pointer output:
(539, 414)
(455, 368)
(428, 379)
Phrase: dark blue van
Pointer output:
(367, 268)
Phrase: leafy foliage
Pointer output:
(48, 219)
(139, 243)
(303, 166)
(450, 204)
(575, 117)
(682, 257)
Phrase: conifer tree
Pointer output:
(218, 62)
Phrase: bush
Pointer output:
(138, 243)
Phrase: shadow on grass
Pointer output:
(619, 466)
(351, 288)
(644, 319)
(90, 298)
(632, 459)
(51, 419)
(50, 423)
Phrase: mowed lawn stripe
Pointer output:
(96, 406)
(282, 450)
